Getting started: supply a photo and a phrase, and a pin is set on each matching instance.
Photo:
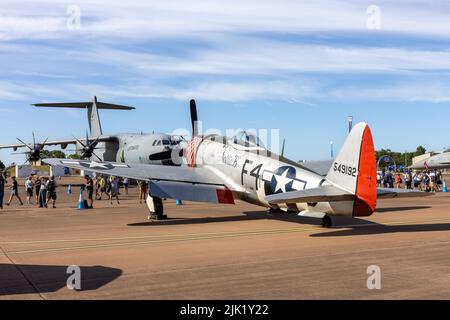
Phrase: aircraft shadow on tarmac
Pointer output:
(358, 226)
(245, 216)
(27, 279)
(380, 229)
(392, 209)
(255, 215)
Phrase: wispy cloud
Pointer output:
(154, 19)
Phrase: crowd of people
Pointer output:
(427, 180)
(110, 187)
(43, 190)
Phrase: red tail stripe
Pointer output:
(366, 185)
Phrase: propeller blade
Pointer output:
(82, 144)
(282, 148)
(43, 143)
(95, 141)
(194, 117)
(25, 144)
(99, 159)
(34, 139)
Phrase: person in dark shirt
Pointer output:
(2, 189)
(90, 190)
(37, 187)
(51, 191)
(14, 192)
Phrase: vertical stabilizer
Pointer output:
(95, 127)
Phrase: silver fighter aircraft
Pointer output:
(438, 161)
(221, 170)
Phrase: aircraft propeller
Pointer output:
(88, 147)
(34, 153)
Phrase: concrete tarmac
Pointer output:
(223, 252)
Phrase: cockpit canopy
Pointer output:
(247, 139)
(243, 139)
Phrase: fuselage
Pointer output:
(259, 173)
(140, 148)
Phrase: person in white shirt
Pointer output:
(29, 187)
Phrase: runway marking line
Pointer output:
(186, 237)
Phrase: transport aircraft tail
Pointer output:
(92, 107)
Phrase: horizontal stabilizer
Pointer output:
(84, 105)
(403, 193)
(319, 194)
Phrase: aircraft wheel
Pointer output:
(326, 222)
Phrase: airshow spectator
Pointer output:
(408, 179)
(51, 191)
(398, 181)
(29, 187)
(378, 179)
(102, 187)
(439, 180)
(90, 191)
(389, 180)
(114, 189)
(14, 192)
(143, 188)
(126, 183)
(2, 189)
(37, 187)
(43, 193)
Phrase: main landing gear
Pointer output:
(326, 222)
(155, 206)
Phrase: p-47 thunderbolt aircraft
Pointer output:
(221, 170)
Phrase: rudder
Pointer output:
(354, 169)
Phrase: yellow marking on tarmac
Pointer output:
(167, 235)
(163, 238)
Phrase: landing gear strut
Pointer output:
(326, 221)
(155, 206)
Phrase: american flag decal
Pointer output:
(191, 150)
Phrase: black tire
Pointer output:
(159, 208)
(326, 222)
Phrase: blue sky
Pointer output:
(298, 66)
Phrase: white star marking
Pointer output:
(94, 164)
(282, 181)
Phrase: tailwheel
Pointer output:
(156, 208)
(326, 222)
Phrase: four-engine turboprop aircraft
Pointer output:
(222, 169)
(153, 148)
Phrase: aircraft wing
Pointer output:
(55, 142)
(319, 194)
(403, 193)
(174, 182)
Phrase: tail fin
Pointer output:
(95, 127)
(354, 169)
(92, 111)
